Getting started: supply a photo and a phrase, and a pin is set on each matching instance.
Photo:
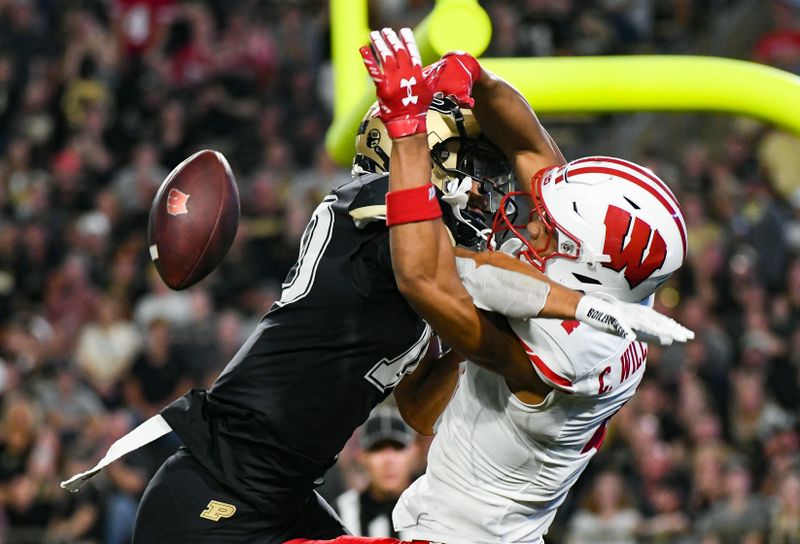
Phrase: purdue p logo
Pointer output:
(217, 510)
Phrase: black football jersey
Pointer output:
(334, 346)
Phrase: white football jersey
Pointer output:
(498, 468)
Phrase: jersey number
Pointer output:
(570, 325)
(388, 372)
(313, 244)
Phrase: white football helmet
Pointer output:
(618, 228)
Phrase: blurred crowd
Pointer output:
(99, 99)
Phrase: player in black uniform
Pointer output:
(340, 338)
(262, 437)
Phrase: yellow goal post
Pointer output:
(668, 83)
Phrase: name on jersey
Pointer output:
(631, 360)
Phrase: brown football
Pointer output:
(193, 219)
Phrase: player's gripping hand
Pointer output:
(454, 75)
(627, 319)
(403, 93)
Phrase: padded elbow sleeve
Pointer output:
(505, 292)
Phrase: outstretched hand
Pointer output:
(630, 320)
(403, 93)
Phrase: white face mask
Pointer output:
(457, 195)
(457, 192)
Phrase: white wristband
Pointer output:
(601, 314)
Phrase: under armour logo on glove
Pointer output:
(407, 84)
(403, 94)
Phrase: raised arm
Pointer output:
(509, 121)
(505, 117)
(422, 255)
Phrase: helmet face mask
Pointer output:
(469, 171)
(480, 160)
(511, 223)
(610, 226)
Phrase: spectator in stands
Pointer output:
(667, 523)
(740, 517)
(129, 476)
(136, 183)
(140, 25)
(388, 454)
(28, 455)
(707, 466)
(76, 517)
(69, 406)
(607, 514)
(753, 414)
(784, 527)
(780, 46)
(106, 348)
(160, 302)
(158, 374)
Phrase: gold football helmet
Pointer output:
(460, 155)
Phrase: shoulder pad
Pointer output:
(567, 355)
(370, 202)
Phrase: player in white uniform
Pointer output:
(531, 407)
(499, 468)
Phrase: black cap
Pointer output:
(384, 424)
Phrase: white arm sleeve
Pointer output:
(505, 292)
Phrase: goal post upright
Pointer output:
(668, 83)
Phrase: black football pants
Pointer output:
(184, 504)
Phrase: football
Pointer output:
(193, 219)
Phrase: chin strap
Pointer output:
(457, 195)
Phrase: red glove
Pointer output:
(455, 73)
(403, 93)
(347, 539)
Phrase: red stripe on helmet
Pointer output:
(643, 185)
(635, 167)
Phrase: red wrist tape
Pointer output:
(397, 128)
(412, 205)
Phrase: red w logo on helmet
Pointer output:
(631, 256)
